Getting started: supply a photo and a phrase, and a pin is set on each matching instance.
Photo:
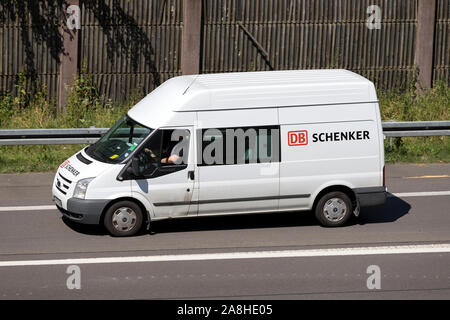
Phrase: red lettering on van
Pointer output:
(298, 138)
(65, 163)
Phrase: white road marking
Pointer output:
(429, 177)
(356, 251)
(399, 195)
(28, 208)
(420, 194)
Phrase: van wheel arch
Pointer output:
(146, 214)
(344, 189)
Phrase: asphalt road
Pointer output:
(265, 256)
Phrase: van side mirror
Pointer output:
(133, 168)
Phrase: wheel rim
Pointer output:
(124, 219)
(335, 209)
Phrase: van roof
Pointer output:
(245, 90)
(274, 78)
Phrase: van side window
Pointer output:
(239, 145)
(165, 148)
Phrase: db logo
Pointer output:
(65, 163)
(298, 138)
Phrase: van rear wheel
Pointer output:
(123, 219)
(334, 209)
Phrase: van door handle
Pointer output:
(191, 175)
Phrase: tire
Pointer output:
(334, 209)
(123, 219)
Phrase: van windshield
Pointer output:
(118, 143)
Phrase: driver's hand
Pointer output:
(150, 152)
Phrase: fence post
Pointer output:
(69, 57)
(192, 24)
(426, 18)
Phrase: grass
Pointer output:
(34, 158)
(431, 105)
(85, 108)
(418, 150)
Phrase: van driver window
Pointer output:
(164, 148)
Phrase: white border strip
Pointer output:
(28, 208)
(357, 251)
(420, 194)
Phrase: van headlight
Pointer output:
(81, 187)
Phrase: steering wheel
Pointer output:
(147, 162)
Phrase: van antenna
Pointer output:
(190, 84)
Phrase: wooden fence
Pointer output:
(132, 44)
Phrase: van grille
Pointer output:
(65, 179)
(62, 184)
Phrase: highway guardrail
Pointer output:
(90, 135)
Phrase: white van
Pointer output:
(233, 143)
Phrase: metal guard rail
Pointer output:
(90, 135)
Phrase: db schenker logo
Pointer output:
(298, 138)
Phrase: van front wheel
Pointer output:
(333, 209)
(123, 219)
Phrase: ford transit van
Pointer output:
(233, 143)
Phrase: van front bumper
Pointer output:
(369, 197)
(84, 210)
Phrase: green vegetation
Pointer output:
(85, 108)
(430, 105)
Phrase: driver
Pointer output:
(174, 156)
